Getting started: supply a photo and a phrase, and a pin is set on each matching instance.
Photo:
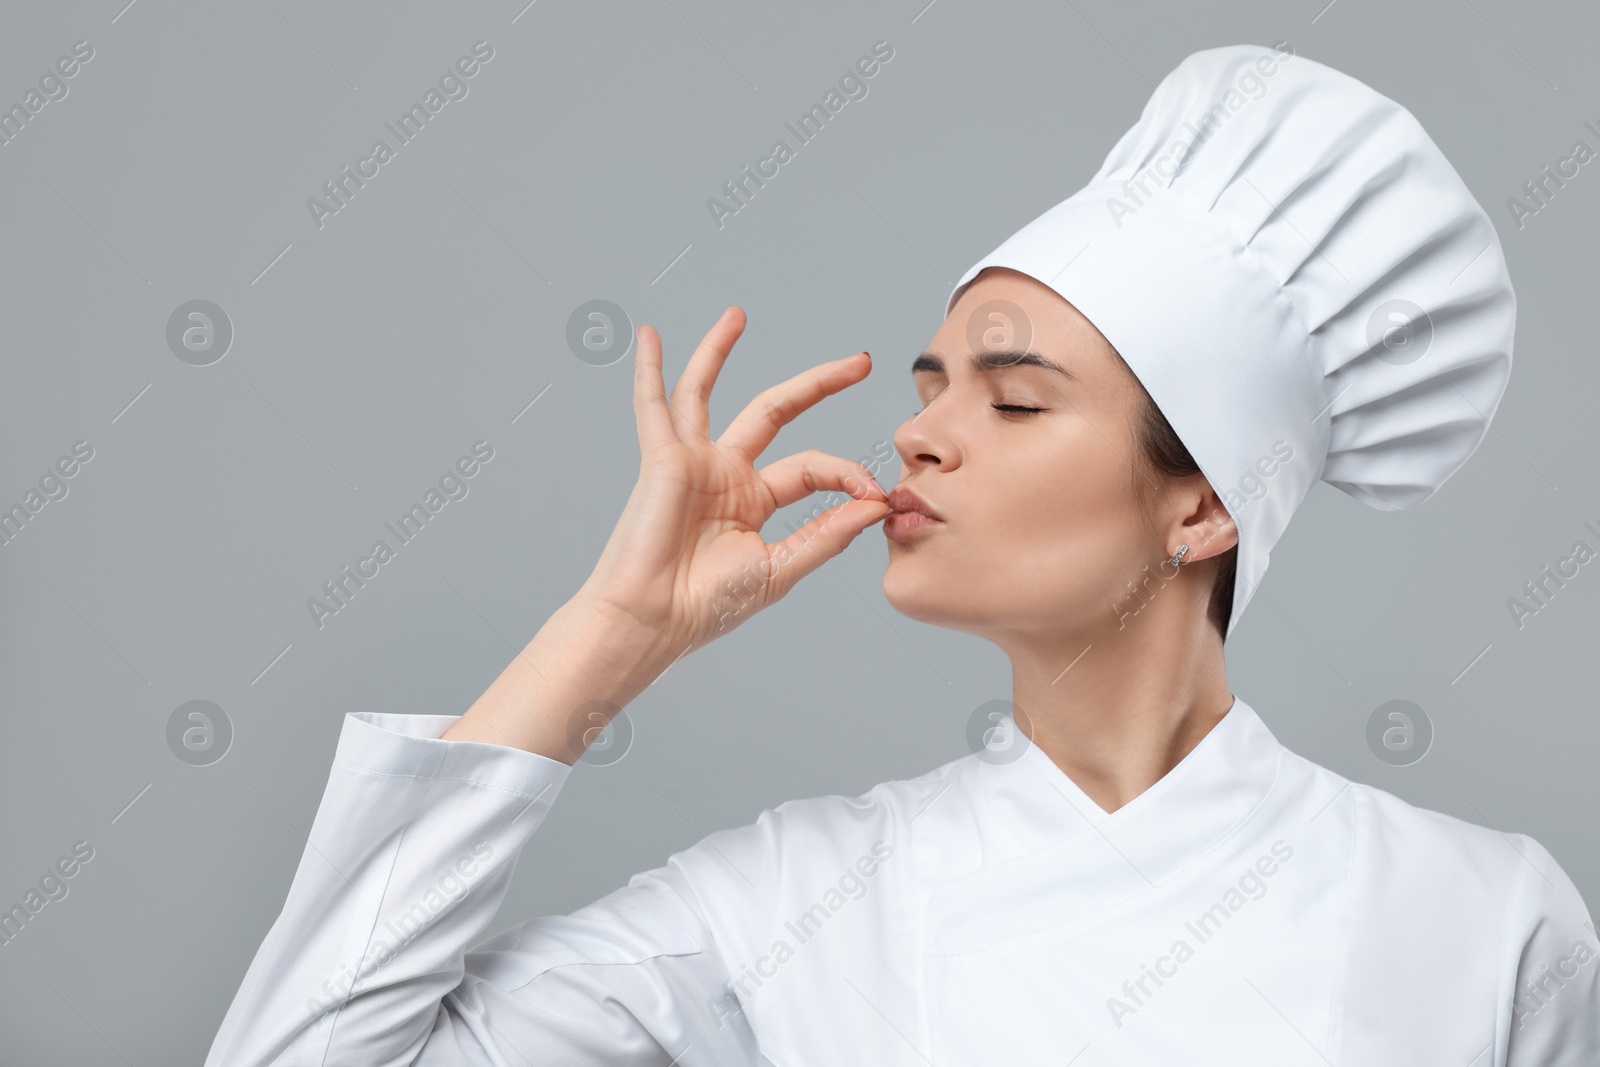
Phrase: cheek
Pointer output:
(1064, 532)
(1075, 489)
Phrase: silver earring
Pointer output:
(1177, 557)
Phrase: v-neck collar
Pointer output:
(1205, 797)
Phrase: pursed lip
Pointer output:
(903, 499)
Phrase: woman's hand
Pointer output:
(686, 559)
(685, 562)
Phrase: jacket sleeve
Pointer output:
(409, 856)
(1555, 1014)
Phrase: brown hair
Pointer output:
(1165, 454)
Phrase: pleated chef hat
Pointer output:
(1297, 276)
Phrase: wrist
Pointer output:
(588, 661)
(619, 632)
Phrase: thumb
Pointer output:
(821, 539)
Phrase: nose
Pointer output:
(923, 442)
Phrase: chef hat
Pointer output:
(1299, 279)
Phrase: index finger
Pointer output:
(755, 427)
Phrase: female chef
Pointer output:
(1275, 278)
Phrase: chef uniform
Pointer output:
(1246, 247)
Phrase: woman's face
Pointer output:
(1040, 529)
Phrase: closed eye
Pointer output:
(1013, 408)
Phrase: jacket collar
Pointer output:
(1216, 785)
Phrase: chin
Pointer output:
(918, 592)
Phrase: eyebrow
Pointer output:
(993, 361)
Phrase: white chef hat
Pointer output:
(1297, 276)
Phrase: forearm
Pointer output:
(586, 662)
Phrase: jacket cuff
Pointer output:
(409, 746)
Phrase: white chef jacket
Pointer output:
(1249, 908)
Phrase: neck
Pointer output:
(1134, 701)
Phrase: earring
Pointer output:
(1177, 557)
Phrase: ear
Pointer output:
(1206, 527)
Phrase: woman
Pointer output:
(1131, 395)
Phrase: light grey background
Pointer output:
(371, 353)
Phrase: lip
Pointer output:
(904, 525)
(910, 515)
(903, 500)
